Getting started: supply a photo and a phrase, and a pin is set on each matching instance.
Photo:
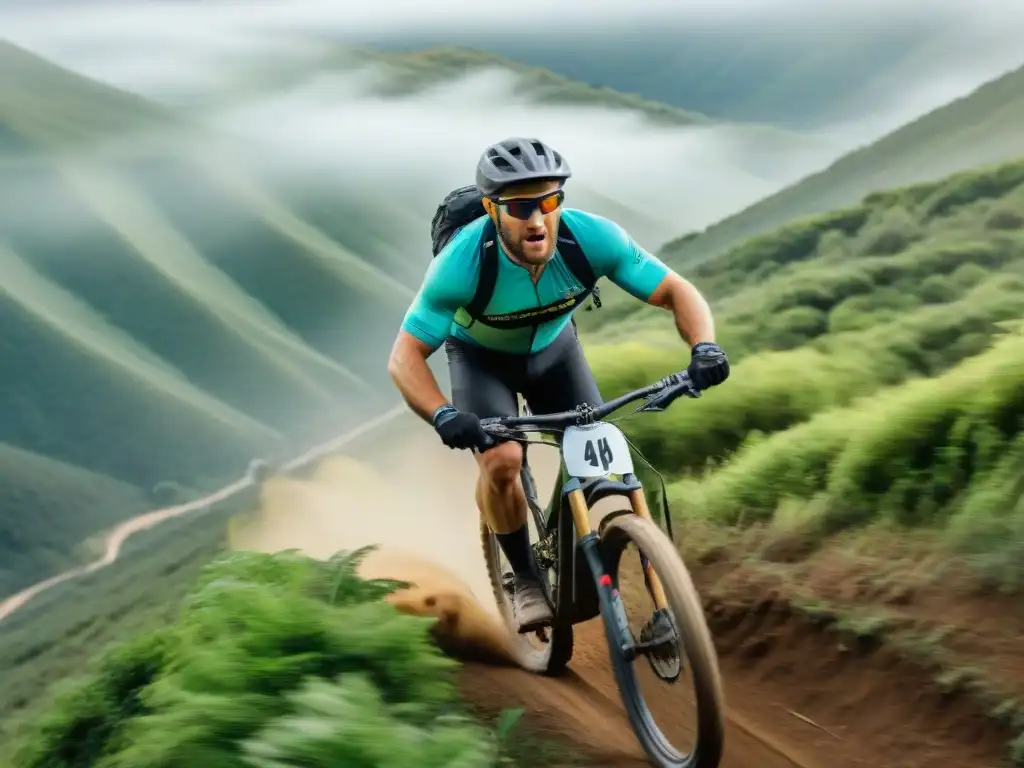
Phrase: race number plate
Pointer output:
(596, 450)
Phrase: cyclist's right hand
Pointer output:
(460, 430)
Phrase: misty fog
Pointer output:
(213, 58)
(889, 60)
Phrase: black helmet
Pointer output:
(514, 160)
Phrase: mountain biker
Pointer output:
(522, 342)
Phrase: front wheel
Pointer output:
(687, 615)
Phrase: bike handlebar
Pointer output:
(660, 394)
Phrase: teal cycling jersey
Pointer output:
(437, 312)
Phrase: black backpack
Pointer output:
(465, 205)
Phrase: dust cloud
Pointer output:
(414, 499)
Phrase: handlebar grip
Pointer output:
(676, 385)
(492, 429)
(679, 377)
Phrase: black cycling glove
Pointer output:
(460, 430)
(708, 365)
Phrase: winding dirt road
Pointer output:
(121, 533)
(113, 543)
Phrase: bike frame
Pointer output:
(584, 589)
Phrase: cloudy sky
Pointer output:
(192, 52)
(144, 43)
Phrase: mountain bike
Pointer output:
(579, 568)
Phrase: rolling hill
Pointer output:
(47, 509)
(878, 393)
(397, 74)
(765, 63)
(166, 313)
(473, 95)
(983, 127)
(173, 308)
(176, 299)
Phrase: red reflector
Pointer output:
(606, 580)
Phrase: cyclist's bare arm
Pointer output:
(689, 308)
(647, 278)
(448, 285)
(408, 369)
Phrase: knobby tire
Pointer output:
(695, 640)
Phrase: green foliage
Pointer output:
(90, 720)
(53, 636)
(347, 722)
(872, 376)
(969, 187)
(934, 452)
(273, 660)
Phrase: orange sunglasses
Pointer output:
(522, 208)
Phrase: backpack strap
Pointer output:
(488, 271)
(574, 259)
(572, 255)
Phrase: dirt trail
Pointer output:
(113, 543)
(424, 513)
(116, 538)
(795, 697)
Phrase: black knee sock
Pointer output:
(516, 546)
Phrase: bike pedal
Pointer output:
(538, 628)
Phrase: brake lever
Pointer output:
(663, 399)
(494, 432)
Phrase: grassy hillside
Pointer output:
(406, 73)
(174, 301)
(980, 128)
(413, 71)
(167, 311)
(864, 460)
(879, 383)
(54, 635)
(871, 375)
(314, 661)
(47, 509)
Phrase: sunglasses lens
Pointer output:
(520, 209)
(550, 203)
(523, 209)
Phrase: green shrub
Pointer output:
(895, 230)
(969, 186)
(767, 392)
(265, 645)
(913, 454)
(1005, 218)
(936, 289)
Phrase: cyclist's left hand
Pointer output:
(708, 365)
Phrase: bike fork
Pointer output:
(609, 600)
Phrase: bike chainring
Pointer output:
(544, 552)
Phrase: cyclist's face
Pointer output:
(531, 240)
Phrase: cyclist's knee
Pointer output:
(502, 463)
